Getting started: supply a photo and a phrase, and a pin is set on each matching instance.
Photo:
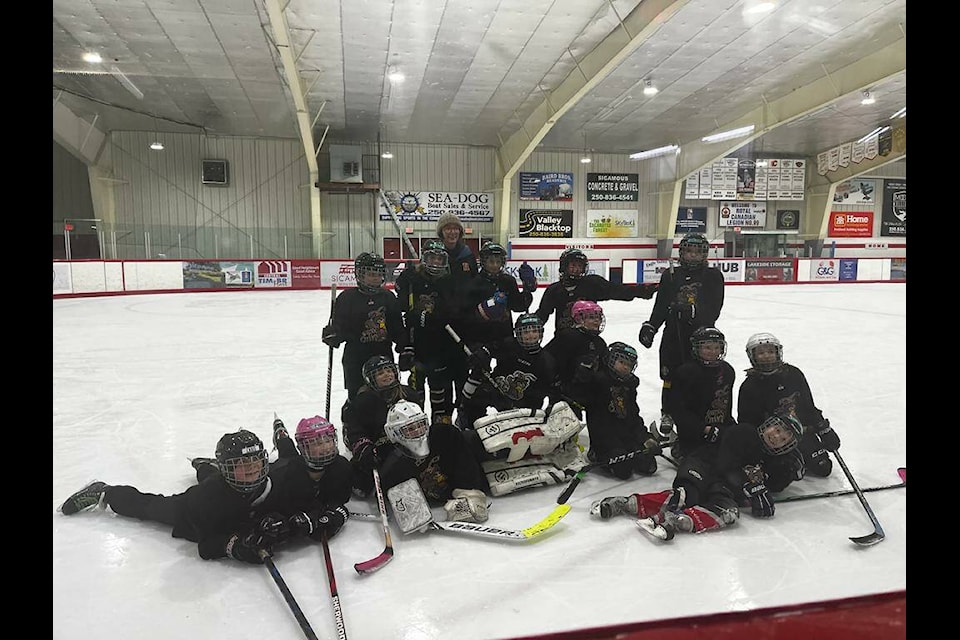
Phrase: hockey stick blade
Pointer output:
(651, 448)
(484, 531)
(877, 534)
(373, 564)
(369, 566)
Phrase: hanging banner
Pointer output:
(850, 224)
(788, 219)
(428, 206)
(893, 221)
(546, 186)
(546, 223)
(691, 220)
(612, 223)
(856, 191)
(743, 214)
(746, 179)
(605, 187)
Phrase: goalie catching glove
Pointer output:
(467, 505)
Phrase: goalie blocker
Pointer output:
(540, 447)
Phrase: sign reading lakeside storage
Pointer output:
(613, 187)
(546, 223)
(428, 206)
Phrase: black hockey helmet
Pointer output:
(572, 255)
(493, 250)
(694, 249)
(621, 352)
(780, 434)
(373, 365)
(366, 263)
(528, 330)
(242, 460)
(707, 336)
(434, 258)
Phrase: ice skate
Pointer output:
(87, 498)
(613, 506)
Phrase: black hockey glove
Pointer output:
(405, 361)
(646, 464)
(528, 277)
(271, 530)
(330, 337)
(301, 524)
(365, 455)
(331, 521)
(828, 437)
(645, 291)
(245, 548)
(711, 433)
(480, 358)
(647, 332)
(685, 312)
(755, 490)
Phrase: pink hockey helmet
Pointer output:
(317, 441)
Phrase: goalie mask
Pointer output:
(708, 346)
(765, 353)
(380, 373)
(621, 359)
(780, 434)
(529, 331)
(242, 461)
(588, 315)
(408, 428)
(317, 441)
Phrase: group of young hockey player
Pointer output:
(490, 407)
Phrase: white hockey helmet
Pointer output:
(764, 365)
(408, 427)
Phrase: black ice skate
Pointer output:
(87, 498)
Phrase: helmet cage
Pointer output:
(376, 364)
(317, 442)
(529, 331)
(694, 250)
(758, 340)
(620, 352)
(702, 337)
(780, 434)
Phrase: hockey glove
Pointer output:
(828, 437)
(330, 337)
(467, 505)
(272, 530)
(528, 278)
(645, 291)
(755, 490)
(405, 361)
(331, 521)
(686, 312)
(480, 358)
(494, 307)
(646, 464)
(711, 433)
(301, 524)
(365, 455)
(245, 549)
(647, 332)
(279, 431)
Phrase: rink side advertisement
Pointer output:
(893, 221)
(428, 206)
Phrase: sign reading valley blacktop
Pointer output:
(546, 223)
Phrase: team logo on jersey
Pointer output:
(514, 385)
(618, 402)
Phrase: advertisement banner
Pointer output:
(649, 271)
(743, 214)
(305, 274)
(731, 269)
(850, 224)
(612, 223)
(772, 270)
(788, 219)
(606, 187)
(893, 220)
(691, 220)
(546, 186)
(546, 223)
(428, 206)
(273, 274)
(217, 275)
(856, 191)
(848, 269)
(827, 269)
(898, 268)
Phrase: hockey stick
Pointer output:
(466, 350)
(291, 601)
(846, 492)
(332, 582)
(369, 566)
(651, 448)
(877, 535)
(484, 531)
(333, 302)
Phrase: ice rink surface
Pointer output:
(143, 383)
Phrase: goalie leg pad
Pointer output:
(410, 507)
(556, 468)
(524, 431)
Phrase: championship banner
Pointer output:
(893, 221)
(743, 214)
(546, 223)
(856, 191)
(428, 206)
(612, 223)
(691, 220)
(546, 186)
(605, 187)
(850, 224)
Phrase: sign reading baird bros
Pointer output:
(420, 206)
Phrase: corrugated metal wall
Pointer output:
(71, 188)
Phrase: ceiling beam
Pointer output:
(590, 71)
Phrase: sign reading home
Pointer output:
(420, 206)
(546, 223)
(613, 187)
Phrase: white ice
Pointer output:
(143, 383)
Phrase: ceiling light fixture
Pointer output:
(394, 74)
(873, 133)
(125, 81)
(585, 159)
(728, 135)
(759, 7)
(652, 153)
(899, 114)
(156, 145)
(648, 88)
(868, 98)
(92, 57)
(387, 155)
